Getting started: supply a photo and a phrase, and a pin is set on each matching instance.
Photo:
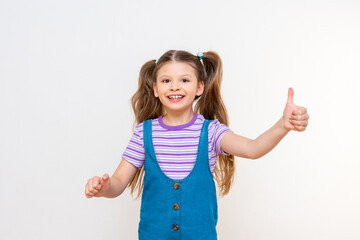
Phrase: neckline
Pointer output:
(197, 160)
(178, 127)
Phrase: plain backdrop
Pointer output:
(69, 68)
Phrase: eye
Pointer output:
(185, 80)
(165, 80)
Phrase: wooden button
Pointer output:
(175, 227)
(176, 186)
(176, 206)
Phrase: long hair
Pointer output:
(210, 104)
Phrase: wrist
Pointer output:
(282, 125)
(106, 191)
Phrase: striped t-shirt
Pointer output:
(176, 146)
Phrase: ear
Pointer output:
(155, 90)
(200, 89)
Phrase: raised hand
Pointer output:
(295, 117)
(97, 185)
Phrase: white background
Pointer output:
(69, 68)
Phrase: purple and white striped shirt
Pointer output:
(176, 146)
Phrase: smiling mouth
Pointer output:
(176, 97)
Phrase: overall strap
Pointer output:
(203, 140)
(147, 135)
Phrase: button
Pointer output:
(176, 186)
(175, 227)
(176, 206)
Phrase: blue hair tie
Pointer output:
(156, 61)
(200, 55)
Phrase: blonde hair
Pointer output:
(210, 104)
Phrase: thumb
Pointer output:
(290, 96)
(104, 179)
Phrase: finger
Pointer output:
(104, 179)
(97, 187)
(298, 123)
(94, 185)
(93, 190)
(290, 96)
(306, 116)
(299, 111)
(295, 117)
(300, 128)
(87, 190)
(88, 194)
(96, 182)
(299, 117)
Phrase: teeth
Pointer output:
(175, 97)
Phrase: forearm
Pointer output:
(268, 140)
(116, 188)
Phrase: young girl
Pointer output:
(176, 152)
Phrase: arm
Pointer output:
(294, 118)
(247, 148)
(120, 179)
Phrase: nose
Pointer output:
(175, 85)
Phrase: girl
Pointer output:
(176, 152)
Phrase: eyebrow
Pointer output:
(180, 76)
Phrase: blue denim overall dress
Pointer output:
(183, 209)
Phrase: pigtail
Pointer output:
(211, 106)
(145, 105)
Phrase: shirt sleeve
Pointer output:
(135, 151)
(216, 132)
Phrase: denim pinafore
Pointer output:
(183, 209)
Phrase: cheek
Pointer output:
(161, 92)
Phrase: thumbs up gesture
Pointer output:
(295, 117)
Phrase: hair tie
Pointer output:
(155, 61)
(200, 55)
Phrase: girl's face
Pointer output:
(176, 86)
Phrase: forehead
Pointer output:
(175, 69)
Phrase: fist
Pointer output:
(295, 117)
(97, 185)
